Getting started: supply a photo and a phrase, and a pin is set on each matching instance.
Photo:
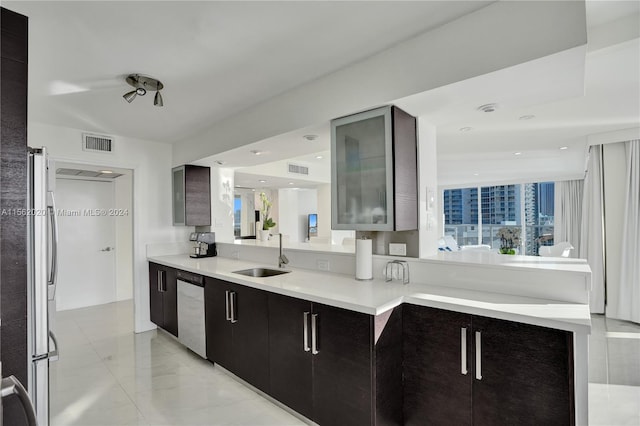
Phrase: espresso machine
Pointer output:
(205, 244)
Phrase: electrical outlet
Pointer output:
(323, 264)
(397, 249)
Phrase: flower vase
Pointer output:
(264, 234)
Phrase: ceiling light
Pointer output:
(255, 152)
(319, 157)
(488, 107)
(310, 137)
(142, 83)
(107, 172)
(219, 162)
(517, 153)
(527, 117)
(465, 129)
(476, 174)
(262, 181)
(562, 148)
(290, 183)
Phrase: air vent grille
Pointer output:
(296, 168)
(97, 143)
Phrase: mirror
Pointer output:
(244, 213)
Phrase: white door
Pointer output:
(86, 245)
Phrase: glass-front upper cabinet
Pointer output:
(374, 180)
(191, 195)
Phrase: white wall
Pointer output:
(428, 179)
(614, 158)
(294, 206)
(123, 187)
(152, 223)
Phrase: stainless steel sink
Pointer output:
(261, 272)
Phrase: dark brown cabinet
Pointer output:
(237, 330)
(326, 363)
(466, 369)
(191, 195)
(163, 297)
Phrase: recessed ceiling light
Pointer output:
(310, 137)
(517, 153)
(106, 172)
(527, 117)
(253, 190)
(256, 152)
(262, 181)
(319, 157)
(465, 129)
(562, 148)
(476, 174)
(219, 163)
(488, 107)
(290, 183)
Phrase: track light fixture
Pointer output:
(142, 83)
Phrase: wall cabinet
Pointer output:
(191, 195)
(237, 330)
(466, 369)
(325, 364)
(374, 182)
(163, 297)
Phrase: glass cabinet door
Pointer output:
(178, 196)
(362, 171)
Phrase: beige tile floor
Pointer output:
(107, 375)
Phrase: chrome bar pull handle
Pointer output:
(463, 351)
(159, 283)
(305, 331)
(234, 316)
(478, 355)
(227, 302)
(314, 334)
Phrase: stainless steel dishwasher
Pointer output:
(191, 331)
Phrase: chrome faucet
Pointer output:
(282, 259)
(388, 270)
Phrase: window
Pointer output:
(237, 214)
(526, 206)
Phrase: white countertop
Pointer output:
(375, 297)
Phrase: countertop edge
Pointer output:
(393, 302)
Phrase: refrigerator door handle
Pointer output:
(54, 354)
(53, 279)
(12, 386)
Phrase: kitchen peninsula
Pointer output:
(498, 324)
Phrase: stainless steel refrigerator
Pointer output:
(42, 270)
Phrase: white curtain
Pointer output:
(592, 228)
(568, 213)
(628, 303)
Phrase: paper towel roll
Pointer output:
(364, 260)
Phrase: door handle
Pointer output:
(160, 279)
(227, 302)
(463, 351)
(53, 277)
(234, 317)
(54, 354)
(478, 355)
(314, 334)
(12, 386)
(305, 331)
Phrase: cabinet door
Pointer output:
(178, 196)
(197, 196)
(218, 328)
(289, 358)
(251, 335)
(526, 374)
(436, 388)
(170, 301)
(342, 379)
(156, 274)
(362, 171)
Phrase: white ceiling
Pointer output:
(218, 58)
(215, 58)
